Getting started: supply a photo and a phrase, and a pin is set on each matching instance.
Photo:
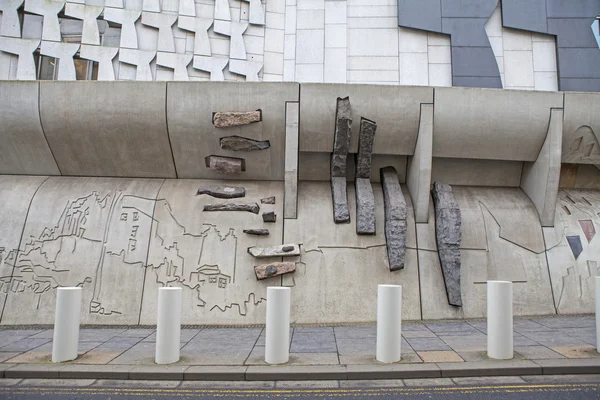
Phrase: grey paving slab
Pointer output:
(427, 344)
(369, 359)
(482, 356)
(418, 334)
(570, 366)
(537, 352)
(47, 334)
(136, 333)
(567, 322)
(191, 357)
(452, 328)
(7, 355)
(186, 335)
(371, 383)
(73, 371)
(413, 326)
(307, 384)
(520, 340)
(9, 382)
(354, 332)
(162, 372)
(393, 371)
(215, 373)
(466, 342)
(490, 368)
(347, 346)
(19, 332)
(95, 335)
(316, 372)
(24, 344)
(479, 325)
(313, 343)
(141, 353)
(57, 382)
(428, 382)
(553, 338)
(525, 325)
(123, 341)
(489, 380)
(325, 330)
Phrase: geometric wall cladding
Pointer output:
(588, 229)
(575, 245)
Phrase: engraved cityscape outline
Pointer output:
(39, 276)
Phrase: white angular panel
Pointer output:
(114, 3)
(23, 48)
(234, 30)
(88, 14)
(49, 9)
(65, 53)
(126, 18)
(200, 26)
(141, 59)
(10, 18)
(104, 57)
(222, 11)
(212, 65)
(257, 12)
(164, 24)
(187, 7)
(177, 62)
(249, 69)
(151, 6)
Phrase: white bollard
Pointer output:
(66, 324)
(597, 280)
(168, 325)
(389, 323)
(277, 342)
(500, 320)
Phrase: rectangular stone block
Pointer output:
(225, 165)
(365, 148)
(340, 200)
(229, 119)
(274, 269)
(365, 207)
(395, 218)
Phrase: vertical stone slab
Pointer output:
(395, 218)
(418, 179)
(292, 119)
(341, 144)
(365, 202)
(540, 178)
(448, 235)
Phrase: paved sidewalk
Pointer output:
(544, 345)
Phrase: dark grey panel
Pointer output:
(474, 61)
(420, 14)
(475, 81)
(573, 32)
(579, 63)
(527, 15)
(468, 8)
(466, 31)
(572, 8)
(580, 85)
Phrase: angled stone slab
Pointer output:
(225, 165)
(164, 23)
(177, 62)
(269, 216)
(24, 49)
(235, 118)
(213, 65)
(365, 207)
(448, 237)
(127, 19)
(215, 373)
(284, 250)
(187, 8)
(65, 53)
(247, 207)
(114, 3)
(490, 368)
(418, 174)
(395, 218)
(341, 139)
(141, 59)
(268, 200)
(88, 14)
(393, 371)
(257, 232)
(292, 120)
(570, 366)
(158, 372)
(289, 372)
(79, 371)
(222, 11)
(238, 143)
(339, 195)
(266, 271)
(223, 192)
(235, 30)
(365, 148)
(49, 9)
(151, 6)
(257, 12)
(249, 69)
(200, 27)
(103, 56)
(11, 26)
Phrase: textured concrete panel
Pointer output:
(336, 279)
(24, 147)
(116, 129)
(527, 15)
(395, 108)
(395, 218)
(573, 278)
(88, 232)
(581, 128)
(465, 172)
(16, 193)
(205, 254)
(471, 123)
(292, 122)
(540, 178)
(419, 166)
(190, 108)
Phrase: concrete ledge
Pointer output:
(42, 371)
(215, 373)
(4, 367)
(393, 371)
(570, 366)
(291, 373)
(490, 368)
(158, 372)
(74, 371)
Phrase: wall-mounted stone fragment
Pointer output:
(269, 216)
(249, 207)
(223, 192)
(447, 231)
(341, 144)
(366, 138)
(268, 200)
(395, 218)
(257, 232)
(365, 201)
(238, 143)
(226, 165)
(274, 269)
(228, 119)
(275, 251)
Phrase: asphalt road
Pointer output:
(493, 392)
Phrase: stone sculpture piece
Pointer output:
(248, 207)
(269, 216)
(284, 250)
(274, 269)
(447, 232)
(234, 118)
(257, 232)
(223, 192)
(365, 200)
(395, 218)
(238, 143)
(341, 144)
(225, 165)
